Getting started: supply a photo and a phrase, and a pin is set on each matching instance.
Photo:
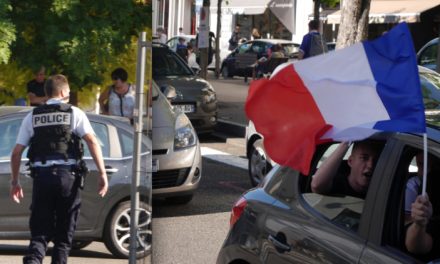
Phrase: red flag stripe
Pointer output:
(285, 113)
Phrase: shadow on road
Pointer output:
(20, 250)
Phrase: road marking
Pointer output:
(224, 157)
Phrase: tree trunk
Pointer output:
(316, 5)
(217, 39)
(353, 27)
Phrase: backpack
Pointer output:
(317, 45)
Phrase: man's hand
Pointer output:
(16, 192)
(421, 210)
(102, 185)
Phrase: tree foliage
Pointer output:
(79, 38)
(7, 31)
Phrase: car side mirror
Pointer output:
(169, 92)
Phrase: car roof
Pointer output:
(423, 69)
(185, 36)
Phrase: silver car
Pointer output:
(177, 162)
(101, 219)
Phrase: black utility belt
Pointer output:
(55, 166)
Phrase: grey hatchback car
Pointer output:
(195, 96)
(283, 221)
(101, 219)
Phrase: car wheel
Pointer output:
(225, 72)
(117, 231)
(180, 199)
(258, 163)
(80, 244)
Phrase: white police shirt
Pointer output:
(80, 127)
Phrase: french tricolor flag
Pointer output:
(345, 95)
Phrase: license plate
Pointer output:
(186, 108)
(155, 165)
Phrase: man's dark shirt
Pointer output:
(342, 186)
(36, 88)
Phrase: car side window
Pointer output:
(173, 43)
(407, 185)
(243, 48)
(9, 131)
(127, 142)
(342, 210)
(101, 132)
(428, 56)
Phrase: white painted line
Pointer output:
(224, 157)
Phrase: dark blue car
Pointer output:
(258, 48)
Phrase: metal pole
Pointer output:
(134, 210)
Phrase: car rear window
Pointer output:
(167, 63)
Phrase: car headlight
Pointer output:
(208, 96)
(184, 134)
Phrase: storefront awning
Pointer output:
(245, 7)
(284, 10)
(392, 11)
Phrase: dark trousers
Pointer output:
(54, 212)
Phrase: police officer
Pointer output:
(53, 132)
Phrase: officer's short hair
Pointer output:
(119, 73)
(55, 84)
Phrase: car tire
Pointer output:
(184, 199)
(258, 165)
(225, 72)
(80, 244)
(117, 231)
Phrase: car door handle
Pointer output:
(281, 246)
(110, 169)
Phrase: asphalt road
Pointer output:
(231, 96)
(194, 233)
(12, 251)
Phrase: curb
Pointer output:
(231, 128)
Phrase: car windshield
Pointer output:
(167, 63)
(430, 84)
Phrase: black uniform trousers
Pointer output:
(54, 212)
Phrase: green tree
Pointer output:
(79, 38)
(7, 31)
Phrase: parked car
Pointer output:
(283, 221)
(195, 96)
(427, 55)
(258, 48)
(172, 43)
(260, 163)
(101, 219)
(177, 162)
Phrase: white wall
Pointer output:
(303, 9)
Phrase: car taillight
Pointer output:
(237, 210)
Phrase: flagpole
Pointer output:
(425, 163)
